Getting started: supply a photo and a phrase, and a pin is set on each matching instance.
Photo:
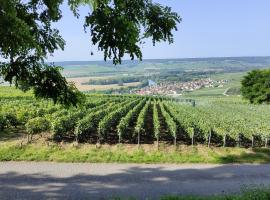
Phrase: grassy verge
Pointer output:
(40, 150)
(247, 194)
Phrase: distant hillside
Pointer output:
(101, 68)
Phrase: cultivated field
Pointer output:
(82, 87)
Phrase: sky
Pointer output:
(209, 28)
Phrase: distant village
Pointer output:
(173, 88)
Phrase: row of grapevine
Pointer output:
(130, 117)
(89, 123)
(183, 119)
(64, 123)
(125, 122)
(224, 121)
(169, 121)
(156, 122)
(112, 118)
(140, 123)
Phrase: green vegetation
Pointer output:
(22, 54)
(229, 89)
(42, 149)
(262, 193)
(106, 118)
(7, 92)
(182, 69)
(70, 135)
(246, 194)
(166, 71)
(256, 86)
(37, 125)
(156, 123)
(126, 122)
(110, 81)
(233, 91)
(141, 121)
(115, 27)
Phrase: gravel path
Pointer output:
(29, 180)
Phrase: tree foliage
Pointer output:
(256, 86)
(27, 38)
(116, 26)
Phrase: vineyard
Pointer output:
(130, 119)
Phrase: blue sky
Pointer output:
(210, 28)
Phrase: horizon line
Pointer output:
(137, 60)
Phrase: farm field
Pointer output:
(234, 132)
(230, 68)
(83, 87)
(100, 68)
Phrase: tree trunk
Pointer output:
(175, 141)
(266, 142)
(252, 142)
(138, 138)
(192, 139)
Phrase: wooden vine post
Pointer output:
(119, 139)
(239, 142)
(209, 138)
(252, 141)
(192, 139)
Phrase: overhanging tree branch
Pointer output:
(117, 27)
